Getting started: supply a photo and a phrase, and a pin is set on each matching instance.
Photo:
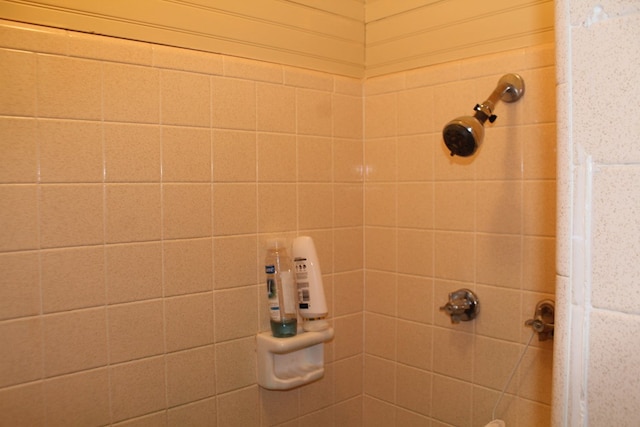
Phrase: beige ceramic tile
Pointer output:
(233, 103)
(380, 116)
(111, 49)
(186, 210)
(539, 207)
(314, 159)
(347, 116)
(416, 157)
(234, 209)
(415, 295)
(380, 292)
(493, 363)
(190, 375)
(416, 205)
(276, 207)
(414, 389)
(234, 261)
(500, 308)
(310, 79)
(134, 272)
(380, 157)
(539, 271)
(499, 206)
(348, 378)
(185, 99)
(415, 344)
(415, 111)
(72, 278)
(75, 341)
(380, 204)
(276, 158)
(202, 412)
(348, 86)
(500, 156)
(348, 249)
(415, 252)
(455, 257)
(347, 160)
(69, 88)
(384, 84)
(381, 249)
(19, 216)
(539, 150)
(433, 75)
(235, 364)
(22, 36)
(70, 151)
(276, 111)
(135, 330)
(380, 336)
(453, 356)
(315, 206)
(230, 323)
(318, 394)
(314, 112)
(71, 215)
(19, 285)
(189, 321)
(22, 405)
(234, 156)
(19, 148)
(21, 354)
(133, 212)
(379, 378)
(187, 266)
(535, 375)
(347, 205)
(152, 420)
(186, 60)
(137, 388)
(132, 153)
(131, 93)
(17, 83)
(348, 289)
(349, 413)
(451, 401)
(78, 399)
(455, 205)
(186, 154)
(239, 408)
(348, 336)
(252, 70)
(378, 412)
(500, 260)
(279, 406)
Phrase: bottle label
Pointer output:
(302, 279)
(288, 290)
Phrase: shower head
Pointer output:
(463, 135)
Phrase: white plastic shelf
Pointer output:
(286, 363)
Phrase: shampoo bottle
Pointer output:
(312, 304)
(281, 289)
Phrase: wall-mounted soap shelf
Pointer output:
(286, 363)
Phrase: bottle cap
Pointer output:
(276, 243)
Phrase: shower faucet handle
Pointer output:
(462, 306)
(543, 320)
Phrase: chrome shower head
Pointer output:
(464, 135)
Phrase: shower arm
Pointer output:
(509, 89)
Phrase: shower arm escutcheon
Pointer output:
(463, 305)
(510, 88)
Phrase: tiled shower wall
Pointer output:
(137, 185)
(139, 182)
(436, 223)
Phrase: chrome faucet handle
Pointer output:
(462, 306)
(543, 321)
